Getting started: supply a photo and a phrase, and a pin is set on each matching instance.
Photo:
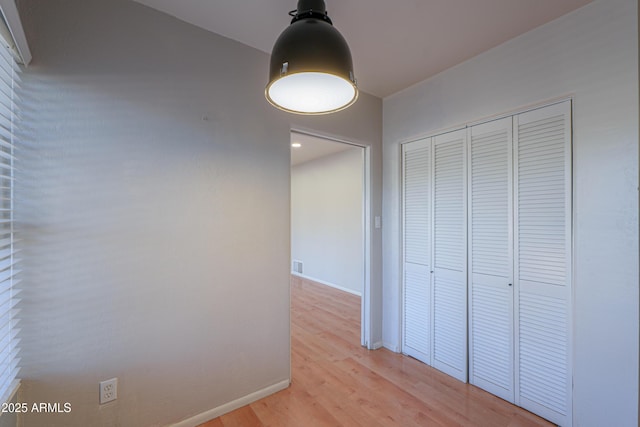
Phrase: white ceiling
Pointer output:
(394, 44)
(313, 148)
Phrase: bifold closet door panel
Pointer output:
(416, 183)
(543, 261)
(491, 332)
(450, 249)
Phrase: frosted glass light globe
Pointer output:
(311, 93)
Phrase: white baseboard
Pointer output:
(231, 406)
(377, 345)
(322, 282)
(392, 347)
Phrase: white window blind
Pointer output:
(9, 80)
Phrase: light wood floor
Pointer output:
(338, 383)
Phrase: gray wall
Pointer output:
(153, 203)
(591, 55)
(326, 219)
(10, 419)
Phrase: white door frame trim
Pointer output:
(366, 338)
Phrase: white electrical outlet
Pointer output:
(108, 390)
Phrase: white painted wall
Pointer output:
(326, 218)
(153, 203)
(591, 54)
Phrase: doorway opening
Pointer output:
(329, 216)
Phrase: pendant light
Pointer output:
(311, 70)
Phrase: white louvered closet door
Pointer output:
(450, 249)
(491, 329)
(542, 173)
(416, 161)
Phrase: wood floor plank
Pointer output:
(244, 416)
(338, 383)
(216, 422)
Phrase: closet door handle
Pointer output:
(510, 284)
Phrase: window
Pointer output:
(9, 79)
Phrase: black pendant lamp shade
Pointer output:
(311, 69)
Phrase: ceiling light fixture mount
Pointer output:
(311, 70)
